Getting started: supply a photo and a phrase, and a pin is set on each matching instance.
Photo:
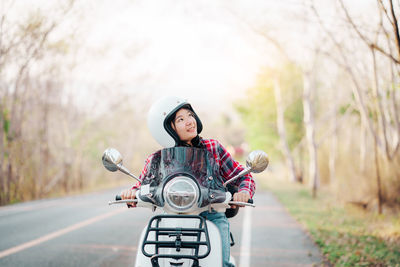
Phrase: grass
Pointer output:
(346, 235)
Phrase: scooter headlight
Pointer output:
(181, 193)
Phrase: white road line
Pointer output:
(245, 247)
(58, 233)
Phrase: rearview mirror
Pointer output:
(257, 161)
(111, 159)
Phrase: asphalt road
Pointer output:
(85, 231)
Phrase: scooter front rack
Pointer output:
(178, 242)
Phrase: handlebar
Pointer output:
(248, 203)
(119, 200)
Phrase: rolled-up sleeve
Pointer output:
(144, 172)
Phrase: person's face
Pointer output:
(185, 125)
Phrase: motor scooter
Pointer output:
(183, 182)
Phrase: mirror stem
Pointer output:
(125, 170)
(242, 173)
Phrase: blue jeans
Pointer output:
(222, 223)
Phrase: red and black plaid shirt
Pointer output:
(228, 167)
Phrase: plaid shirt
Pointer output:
(228, 167)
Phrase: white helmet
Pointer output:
(160, 116)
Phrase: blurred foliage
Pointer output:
(38, 156)
(258, 109)
(6, 121)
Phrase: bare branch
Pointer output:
(379, 108)
(263, 34)
(357, 87)
(385, 10)
(355, 28)
(396, 26)
(338, 124)
(393, 96)
(21, 72)
(364, 38)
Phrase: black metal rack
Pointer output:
(177, 243)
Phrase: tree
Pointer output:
(28, 93)
(273, 119)
(376, 99)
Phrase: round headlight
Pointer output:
(181, 193)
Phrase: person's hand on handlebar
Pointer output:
(240, 197)
(129, 194)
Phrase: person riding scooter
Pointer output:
(173, 122)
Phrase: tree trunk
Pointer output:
(378, 178)
(310, 133)
(363, 145)
(44, 141)
(9, 181)
(334, 141)
(2, 178)
(282, 131)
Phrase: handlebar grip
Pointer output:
(250, 201)
(118, 197)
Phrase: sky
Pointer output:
(196, 50)
(206, 51)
